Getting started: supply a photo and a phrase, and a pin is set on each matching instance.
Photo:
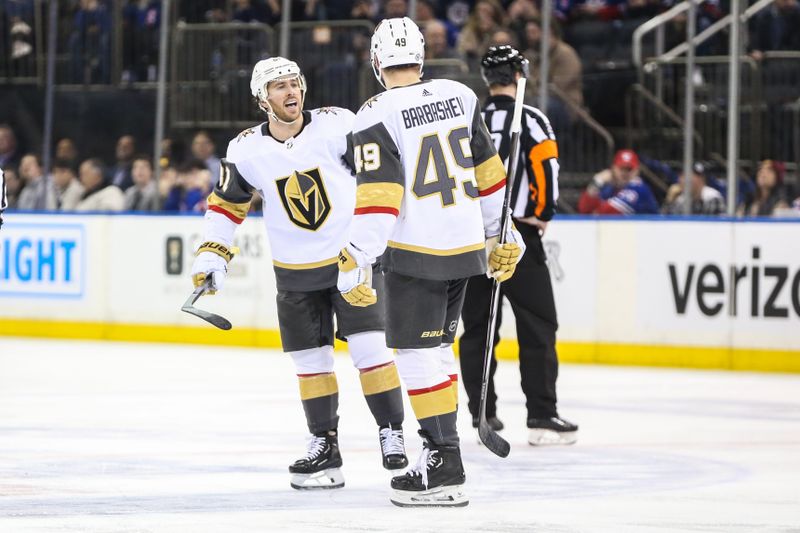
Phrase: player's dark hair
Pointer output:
(501, 64)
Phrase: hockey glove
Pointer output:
(503, 258)
(211, 259)
(355, 278)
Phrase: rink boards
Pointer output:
(678, 292)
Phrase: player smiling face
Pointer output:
(286, 98)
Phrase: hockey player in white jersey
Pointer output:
(428, 204)
(301, 164)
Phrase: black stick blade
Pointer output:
(492, 440)
(211, 318)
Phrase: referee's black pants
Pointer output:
(530, 294)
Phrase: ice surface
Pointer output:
(113, 437)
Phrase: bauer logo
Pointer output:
(42, 260)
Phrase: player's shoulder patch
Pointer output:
(371, 102)
(329, 110)
(244, 133)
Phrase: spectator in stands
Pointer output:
(364, 10)
(566, 70)
(9, 157)
(98, 194)
(504, 36)
(141, 21)
(67, 151)
(167, 180)
(769, 194)
(38, 193)
(795, 204)
(436, 46)
(604, 10)
(203, 149)
(776, 28)
(90, 43)
(457, 12)
(487, 17)
(192, 186)
(704, 200)
(69, 190)
(522, 10)
(199, 11)
(121, 173)
(395, 9)
(256, 11)
(143, 196)
(13, 186)
(618, 190)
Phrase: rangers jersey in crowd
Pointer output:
(430, 183)
(635, 198)
(535, 187)
(308, 190)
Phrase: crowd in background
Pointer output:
(621, 190)
(453, 29)
(188, 173)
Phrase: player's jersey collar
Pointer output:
(306, 121)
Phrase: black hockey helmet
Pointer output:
(500, 64)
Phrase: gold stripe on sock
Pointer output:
(317, 386)
(380, 379)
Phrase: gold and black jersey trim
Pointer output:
(490, 175)
(379, 198)
(235, 212)
(232, 194)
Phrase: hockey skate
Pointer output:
(436, 481)
(393, 447)
(550, 431)
(319, 468)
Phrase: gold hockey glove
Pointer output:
(355, 278)
(503, 258)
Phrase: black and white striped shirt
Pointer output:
(537, 173)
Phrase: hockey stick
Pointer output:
(490, 438)
(211, 318)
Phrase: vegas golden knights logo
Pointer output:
(304, 197)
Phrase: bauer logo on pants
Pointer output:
(42, 260)
(304, 197)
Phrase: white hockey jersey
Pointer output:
(308, 190)
(430, 182)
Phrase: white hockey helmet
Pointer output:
(272, 69)
(396, 41)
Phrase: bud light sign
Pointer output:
(44, 260)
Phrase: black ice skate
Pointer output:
(553, 430)
(319, 468)
(393, 447)
(436, 481)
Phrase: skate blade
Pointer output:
(331, 478)
(451, 496)
(548, 437)
(395, 469)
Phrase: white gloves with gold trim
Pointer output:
(211, 259)
(355, 277)
(503, 258)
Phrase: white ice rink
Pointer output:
(134, 438)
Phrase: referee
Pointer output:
(533, 201)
